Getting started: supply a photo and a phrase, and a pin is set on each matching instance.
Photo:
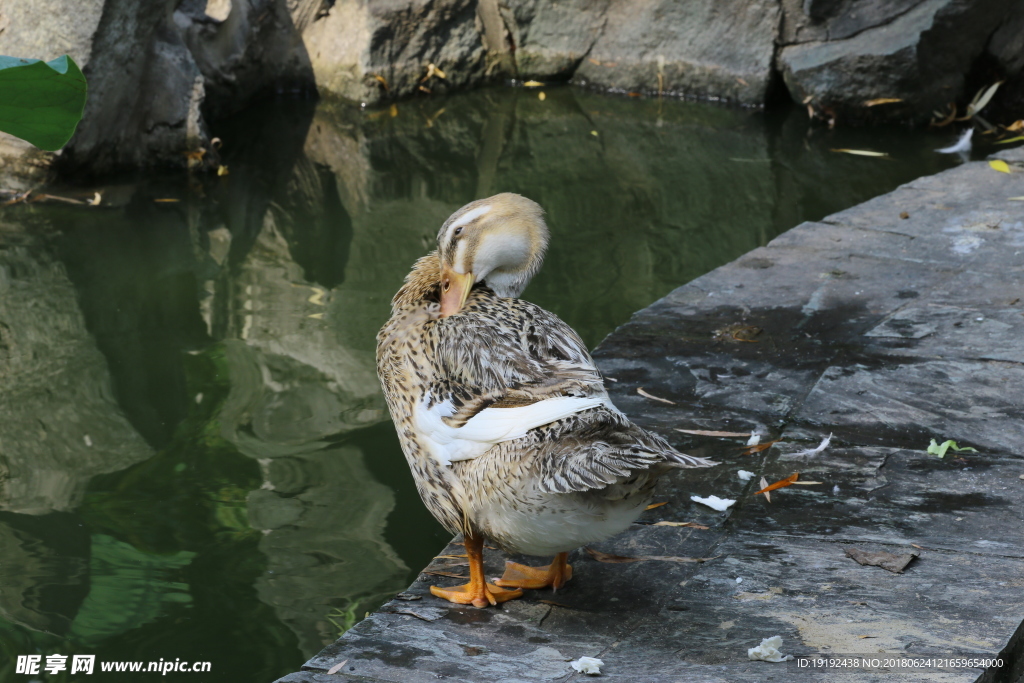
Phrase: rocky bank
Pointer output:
(160, 70)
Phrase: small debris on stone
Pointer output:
(963, 144)
(336, 668)
(692, 525)
(754, 439)
(940, 449)
(408, 597)
(893, 563)
(618, 559)
(640, 390)
(757, 448)
(745, 475)
(711, 432)
(656, 505)
(714, 502)
(768, 651)
(810, 452)
(587, 665)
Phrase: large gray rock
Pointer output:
(245, 50)
(860, 50)
(367, 51)
(719, 49)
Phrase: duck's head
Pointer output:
(499, 241)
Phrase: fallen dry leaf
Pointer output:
(617, 559)
(808, 483)
(166, 200)
(640, 390)
(782, 483)
(336, 668)
(655, 505)
(882, 100)
(893, 563)
(608, 557)
(711, 432)
(944, 120)
(861, 152)
(1000, 165)
(222, 170)
(97, 198)
(433, 70)
(533, 84)
(692, 525)
(758, 447)
(867, 636)
(451, 557)
(1016, 126)
(917, 546)
(383, 81)
(451, 574)
(556, 604)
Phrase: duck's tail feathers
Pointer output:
(677, 459)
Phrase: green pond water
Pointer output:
(196, 461)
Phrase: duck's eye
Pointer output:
(458, 231)
(446, 285)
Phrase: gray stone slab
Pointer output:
(820, 601)
(967, 502)
(908, 402)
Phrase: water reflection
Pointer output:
(195, 459)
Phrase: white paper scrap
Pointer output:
(768, 651)
(714, 502)
(744, 475)
(587, 665)
(754, 439)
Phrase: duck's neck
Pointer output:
(422, 283)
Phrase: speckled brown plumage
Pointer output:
(572, 481)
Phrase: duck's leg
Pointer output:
(520, 576)
(477, 592)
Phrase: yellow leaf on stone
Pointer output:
(1000, 165)
(533, 84)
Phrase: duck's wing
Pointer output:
(597, 449)
(501, 368)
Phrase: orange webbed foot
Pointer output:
(478, 595)
(521, 576)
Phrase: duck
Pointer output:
(502, 415)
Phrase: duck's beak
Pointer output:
(455, 289)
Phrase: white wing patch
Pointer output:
(491, 425)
